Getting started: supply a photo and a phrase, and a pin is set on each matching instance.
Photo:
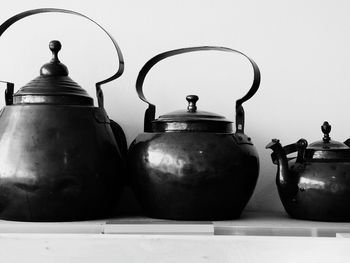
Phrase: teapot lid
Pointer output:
(53, 86)
(327, 149)
(191, 120)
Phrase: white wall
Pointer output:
(302, 48)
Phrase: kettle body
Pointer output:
(61, 158)
(190, 165)
(57, 164)
(193, 176)
(322, 192)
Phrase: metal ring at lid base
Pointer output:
(55, 100)
(214, 126)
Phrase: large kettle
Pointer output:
(314, 185)
(61, 158)
(189, 164)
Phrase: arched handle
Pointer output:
(4, 26)
(150, 112)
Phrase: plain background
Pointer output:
(301, 47)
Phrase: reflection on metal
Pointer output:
(166, 162)
(307, 183)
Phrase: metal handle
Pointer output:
(19, 16)
(150, 112)
(299, 146)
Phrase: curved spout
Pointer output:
(279, 157)
(286, 180)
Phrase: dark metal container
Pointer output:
(61, 158)
(314, 185)
(189, 164)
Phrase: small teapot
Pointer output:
(314, 185)
(61, 158)
(189, 164)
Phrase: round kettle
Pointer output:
(189, 164)
(314, 185)
(61, 158)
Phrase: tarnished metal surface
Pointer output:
(57, 163)
(61, 158)
(192, 175)
(189, 165)
(315, 186)
(54, 84)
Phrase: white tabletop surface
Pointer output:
(86, 248)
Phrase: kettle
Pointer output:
(61, 158)
(314, 185)
(189, 164)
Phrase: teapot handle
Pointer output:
(299, 146)
(24, 14)
(150, 112)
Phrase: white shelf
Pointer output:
(255, 237)
(278, 224)
(250, 224)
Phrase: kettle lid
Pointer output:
(53, 86)
(191, 120)
(327, 149)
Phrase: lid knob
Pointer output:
(326, 129)
(192, 99)
(55, 46)
(54, 67)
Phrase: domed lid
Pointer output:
(53, 86)
(192, 120)
(327, 149)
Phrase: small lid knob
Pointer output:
(326, 129)
(192, 99)
(54, 67)
(55, 46)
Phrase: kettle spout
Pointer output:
(279, 157)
